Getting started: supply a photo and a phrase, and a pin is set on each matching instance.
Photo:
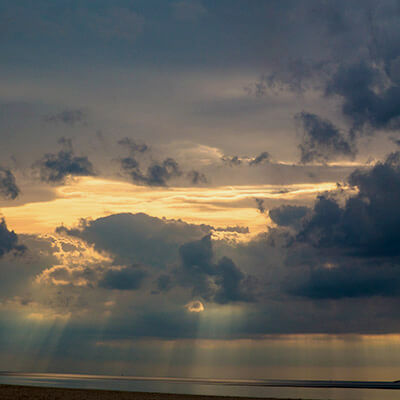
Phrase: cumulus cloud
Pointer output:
(349, 248)
(55, 168)
(367, 223)
(133, 239)
(322, 141)
(8, 185)
(137, 238)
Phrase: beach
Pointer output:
(14, 392)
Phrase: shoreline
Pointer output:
(19, 392)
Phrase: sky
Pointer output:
(200, 188)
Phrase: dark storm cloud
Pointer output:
(368, 100)
(348, 281)
(368, 222)
(222, 281)
(68, 117)
(8, 185)
(125, 278)
(8, 240)
(288, 215)
(322, 141)
(349, 248)
(55, 168)
(263, 157)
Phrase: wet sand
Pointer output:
(13, 392)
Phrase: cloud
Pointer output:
(174, 252)
(8, 186)
(263, 157)
(322, 141)
(137, 238)
(157, 174)
(349, 247)
(236, 161)
(55, 168)
(368, 222)
(69, 117)
(232, 161)
(143, 170)
(288, 215)
(123, 278)
(221, 282)
(368, 100)
(9, 240)
(132, 146)
(197, 177)
(348, 281)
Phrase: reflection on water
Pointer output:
(338, 390)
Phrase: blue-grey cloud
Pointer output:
(9, 240)
(263, 157)
(55, 168)
(157, 174)
(123, 278)
(367, 223)
(222, 281)
(322, 141)
(288, 215)
(8, 185)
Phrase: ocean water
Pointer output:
(296, 389)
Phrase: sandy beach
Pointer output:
(13, 392)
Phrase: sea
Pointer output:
(275, 388)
